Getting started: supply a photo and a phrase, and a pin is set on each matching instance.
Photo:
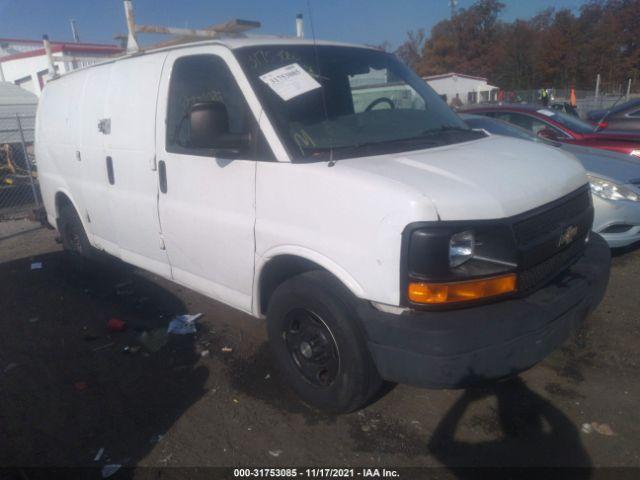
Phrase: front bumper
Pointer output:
(456, 348)
(608, 213)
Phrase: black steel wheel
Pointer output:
(319, 345)
(312, 347)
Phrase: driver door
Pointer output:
(207, 197)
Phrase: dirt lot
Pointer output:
(68, 387)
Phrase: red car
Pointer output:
(562, 127)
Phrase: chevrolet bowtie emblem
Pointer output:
(567, 235)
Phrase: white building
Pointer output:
(24, 62)
(467, 88)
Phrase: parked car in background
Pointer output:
(565, 107)
(562, 127)
(614, 180)
(625, 116)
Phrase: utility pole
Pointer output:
(628, 88)
(74, 31)
(598, 86)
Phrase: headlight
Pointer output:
(611, 191)
(461, 247)
(635, 153)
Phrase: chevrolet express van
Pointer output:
(325, 188)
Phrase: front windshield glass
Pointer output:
(341, 102)
(571, 122)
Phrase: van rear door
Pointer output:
(207, 199)
(130, 150)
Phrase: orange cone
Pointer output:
(572, 98)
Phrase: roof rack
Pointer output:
(235, 27)
(52, 60)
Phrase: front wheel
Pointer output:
(319, 345)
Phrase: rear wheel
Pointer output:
(74, 239)
(319, 345)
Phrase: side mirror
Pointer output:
(548, 134)
(209, 128)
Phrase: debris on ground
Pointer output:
(34, 320)
(235, 400)
(80, 386)
(586, 428)
(267, 376)
(183, 324)
(227, 349)
(204, 353)
(116, 325)
(154, 340)
(131, 349)
(110, 469)
(125, 288)
(602, 429)
(156, 439)
(275, 453)
(98, 455)
(111, 344)
(10, 367)
(36, 265)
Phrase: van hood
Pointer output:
(494, 177)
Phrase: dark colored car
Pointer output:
(625, 116)
(562, 127)
(565, 107)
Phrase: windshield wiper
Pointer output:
(446, 128)
(313, 151)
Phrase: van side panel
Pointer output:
(98, 203)
(131, 108)
(57, 138)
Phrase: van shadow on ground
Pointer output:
(526, 431)
(67, 387)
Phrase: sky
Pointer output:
(357, 21)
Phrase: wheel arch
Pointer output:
(63, 198)
(283, 264)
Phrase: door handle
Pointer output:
(110, 175)
(162, 176)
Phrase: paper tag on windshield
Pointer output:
(290, 81)
(548, 113)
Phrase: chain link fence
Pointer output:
(19, 190)
(586, 100)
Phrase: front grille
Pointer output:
(538, 275)
(542, 254)
(539, 225)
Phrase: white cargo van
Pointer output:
(326, 188)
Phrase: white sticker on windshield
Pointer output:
(290, 81)
(548, 113)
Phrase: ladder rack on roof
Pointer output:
(234, 27)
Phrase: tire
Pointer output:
(319, 345)
(74, 238)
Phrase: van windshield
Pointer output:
(330, 102)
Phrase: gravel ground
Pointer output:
(69, 388)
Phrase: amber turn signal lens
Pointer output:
(443, 293)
